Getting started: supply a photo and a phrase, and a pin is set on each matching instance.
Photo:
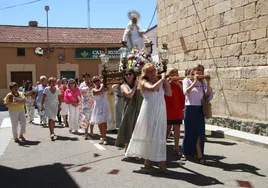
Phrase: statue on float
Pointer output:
(133, 50)
(133, 34)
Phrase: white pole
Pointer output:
(88, 12)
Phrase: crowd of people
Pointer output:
(143, 109)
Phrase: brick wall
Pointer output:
(236, 31)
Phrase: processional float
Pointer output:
(133, 54)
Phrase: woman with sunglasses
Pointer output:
(131, 108)
(101, 112)
(72, 97)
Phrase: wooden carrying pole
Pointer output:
(120, 74)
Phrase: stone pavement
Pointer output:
(72, 161)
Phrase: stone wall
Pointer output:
(228, 37)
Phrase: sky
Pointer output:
(73, 13)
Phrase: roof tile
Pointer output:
(26, 34)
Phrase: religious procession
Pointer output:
(143, 101)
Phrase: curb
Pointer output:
(222, 132)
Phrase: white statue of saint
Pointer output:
(133, 35)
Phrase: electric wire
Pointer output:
(152, 18)
(18, 5)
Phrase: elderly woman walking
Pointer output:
(72, 97)
(15, 101)
(38, 98)
(52, 102)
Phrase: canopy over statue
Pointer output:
(133, 34)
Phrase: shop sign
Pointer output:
(94, 53)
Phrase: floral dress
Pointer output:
(30, 104)
(87, 104)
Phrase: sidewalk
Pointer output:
(248, 138)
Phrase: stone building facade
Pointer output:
(230, 38)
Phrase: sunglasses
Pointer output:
(72, 83)
(128, 74)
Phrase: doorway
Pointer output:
(19, 77)
(67, 74)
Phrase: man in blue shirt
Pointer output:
(38, 98)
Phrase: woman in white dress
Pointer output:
(101, 112)
(52, 101)
(149, 137)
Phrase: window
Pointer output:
(20, 51)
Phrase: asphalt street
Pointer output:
(71, 161)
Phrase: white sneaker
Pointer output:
(101, 141)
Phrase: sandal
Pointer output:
(105, 142)
(53, 137)
(163, 169)
(16, 140)
(147, 164)
(202, 161)
(183, 158)
(22, 138)
(87, 137)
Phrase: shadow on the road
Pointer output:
(193, 177)
(215, 161)
(112, 132)
(28, 143)
(70, 166)
(111, 141)
(171, 154)
(221, 142)
(133, 160)
(66, 138)
(53, 176)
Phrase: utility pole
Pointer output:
(47, 9)
(88, 13)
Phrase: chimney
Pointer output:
(33, 23)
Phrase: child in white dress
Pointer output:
(52, 101)
(101, 112)
(148, 140)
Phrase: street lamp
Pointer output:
(164, 54)
(104, 62)
(124, 54)
(104, 59)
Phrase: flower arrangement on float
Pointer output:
(136, 59)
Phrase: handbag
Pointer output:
(206, 106)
